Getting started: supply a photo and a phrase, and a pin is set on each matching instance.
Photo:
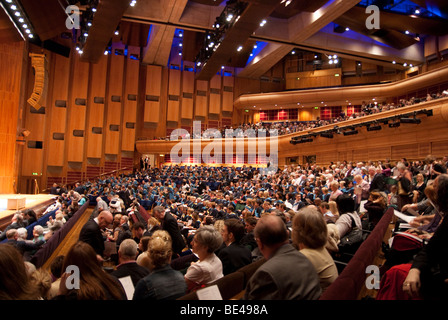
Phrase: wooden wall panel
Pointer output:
(115, 101)
(152, 96)
(58, 110)
(201, 99)
(173, 95)
(187, 95)
(11, 64)
(77, 108)
(228, 84)
(95, 114)
(215, 95)
(128, 126)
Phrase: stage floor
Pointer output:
(31, 200)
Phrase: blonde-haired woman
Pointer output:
(309, 235)
(163, 283)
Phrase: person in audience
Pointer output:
(347, 214)
(92, 232)
(209, 267)
(14, 279)
(309, 235)
(94, 282)
(128, 266)
(56, 273)
(169, 224)
(162, 283)
(248, 239)
(273, 280)
(428, 275)
(57, 223)
(25, 247)
(375, 206)
(42, 279)
(101, 205)
(16, 223)
(29, 217)
(234, 255)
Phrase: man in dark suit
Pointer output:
(127, 263)
(273, 280)
(92, 231)
(169, 224)
(233, 255)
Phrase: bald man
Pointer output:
(287, 274)
(92, 231)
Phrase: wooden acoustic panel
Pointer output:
(201, 99)
(114, 102)
(58, 107)
(77, 108)
(128, 125)
(173, 95)
(95, 114)
(152, 96)
(187, 95)
(215, 95)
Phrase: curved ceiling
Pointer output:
(310, 25)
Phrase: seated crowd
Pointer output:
(291, 126)
(207, 222)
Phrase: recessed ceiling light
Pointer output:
(240, 48)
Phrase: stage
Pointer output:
(11, 203)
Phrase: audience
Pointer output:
(209, 267)
(309, 235)
(14, 279)
(233, 255)
(128, 266)
(162, 283)
(94, 282)
(273, 280)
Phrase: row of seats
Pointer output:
(45, 252)
(347, 286)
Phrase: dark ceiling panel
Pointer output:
(47, 16)
(295, 7)
(8, 32)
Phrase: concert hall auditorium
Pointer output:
(247, 151)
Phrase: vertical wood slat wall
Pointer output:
(90, 123)
(11, 64)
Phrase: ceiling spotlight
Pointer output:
(417, 11)
(330, 62)
(336, 61)
(117, 32)
(229, 17)
(347, 29)
(407, 32)
(93, 9)
(13, 7)
(405, 64)
(293, 52)
(106, 52)
(240, 48)
(394, 62)
(262, 23)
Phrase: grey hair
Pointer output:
(209, 237)
(39, 229)
(128, 248)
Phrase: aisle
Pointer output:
(70, 239)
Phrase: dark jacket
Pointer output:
(234, 257)
(91, 234)
(132, 269)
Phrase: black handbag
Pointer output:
(353, 238)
